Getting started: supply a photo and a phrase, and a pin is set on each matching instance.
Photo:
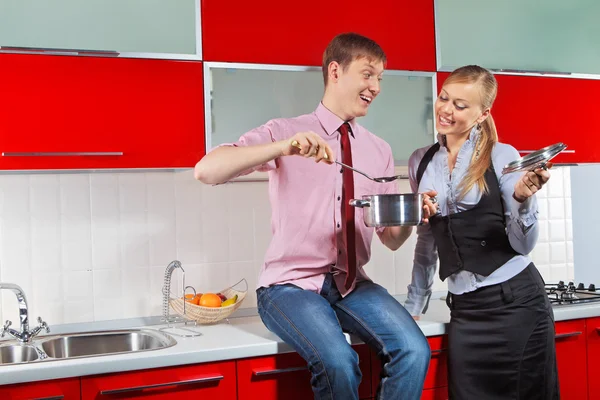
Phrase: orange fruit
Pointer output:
(190, 298)
(210, 300)
(197, 298)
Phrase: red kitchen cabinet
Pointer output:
(436, 380)
(277, 32)
(532, 112)
(63, 389)
(149, 110)
(206, 381)
(285, 376)
(593, 357)
(571, 355)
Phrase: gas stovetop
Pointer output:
(562, 293)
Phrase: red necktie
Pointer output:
(347, 209)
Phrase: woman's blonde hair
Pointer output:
(488, 137)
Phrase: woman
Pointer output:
(501, 333)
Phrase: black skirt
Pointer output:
(501, 342)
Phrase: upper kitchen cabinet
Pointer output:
(534, 112)
(557, 36)
(60, 112)
(279, 32)
(241, 97)
(125, 28)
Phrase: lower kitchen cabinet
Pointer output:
(571, 355)
(60, 389)
(593, 357)
(436, 380)
(207, 381)
(285, 376)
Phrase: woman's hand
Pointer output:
(308, 144)
(430, 206)
(530, 183)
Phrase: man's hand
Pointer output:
(530, 183)
(308, 144)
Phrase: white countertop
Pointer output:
(241, 337)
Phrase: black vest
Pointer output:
(474, 240)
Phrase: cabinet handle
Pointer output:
(566, 335)
(62, 154)
(277, 371)
(60, 52)
(531, 151)
(50, 398)
(530, 71)
(161, 385)
(436, 352)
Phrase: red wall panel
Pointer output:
(533, 112)
(151, 110)
(279, 32)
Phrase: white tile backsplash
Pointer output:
(95, 246)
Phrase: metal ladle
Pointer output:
(382, 179)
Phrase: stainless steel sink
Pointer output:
(84, 344)
(104, 343)
(17, 353)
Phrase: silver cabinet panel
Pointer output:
(240, 97)
(557, 36)
(121, 26)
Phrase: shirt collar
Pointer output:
(331, 122)
(473, 137)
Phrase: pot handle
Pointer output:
(360, 203)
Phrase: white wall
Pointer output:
(89, 247)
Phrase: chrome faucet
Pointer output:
(25, 335)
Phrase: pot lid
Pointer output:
(537, 159)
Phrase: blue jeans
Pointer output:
(313, 324)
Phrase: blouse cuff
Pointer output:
(525, 213)
(417, 300)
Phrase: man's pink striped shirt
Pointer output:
(305, 196)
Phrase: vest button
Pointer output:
(483, 243)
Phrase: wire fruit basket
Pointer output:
(211, 315)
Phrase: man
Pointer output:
(312, 286)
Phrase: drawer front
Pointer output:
(213, 380)
(593, 355)
(62, 389)
(437, 374)
(435, 394)
(571, 357)
(286, 376)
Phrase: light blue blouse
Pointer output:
(521, 219)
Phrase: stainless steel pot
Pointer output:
(391, 209)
